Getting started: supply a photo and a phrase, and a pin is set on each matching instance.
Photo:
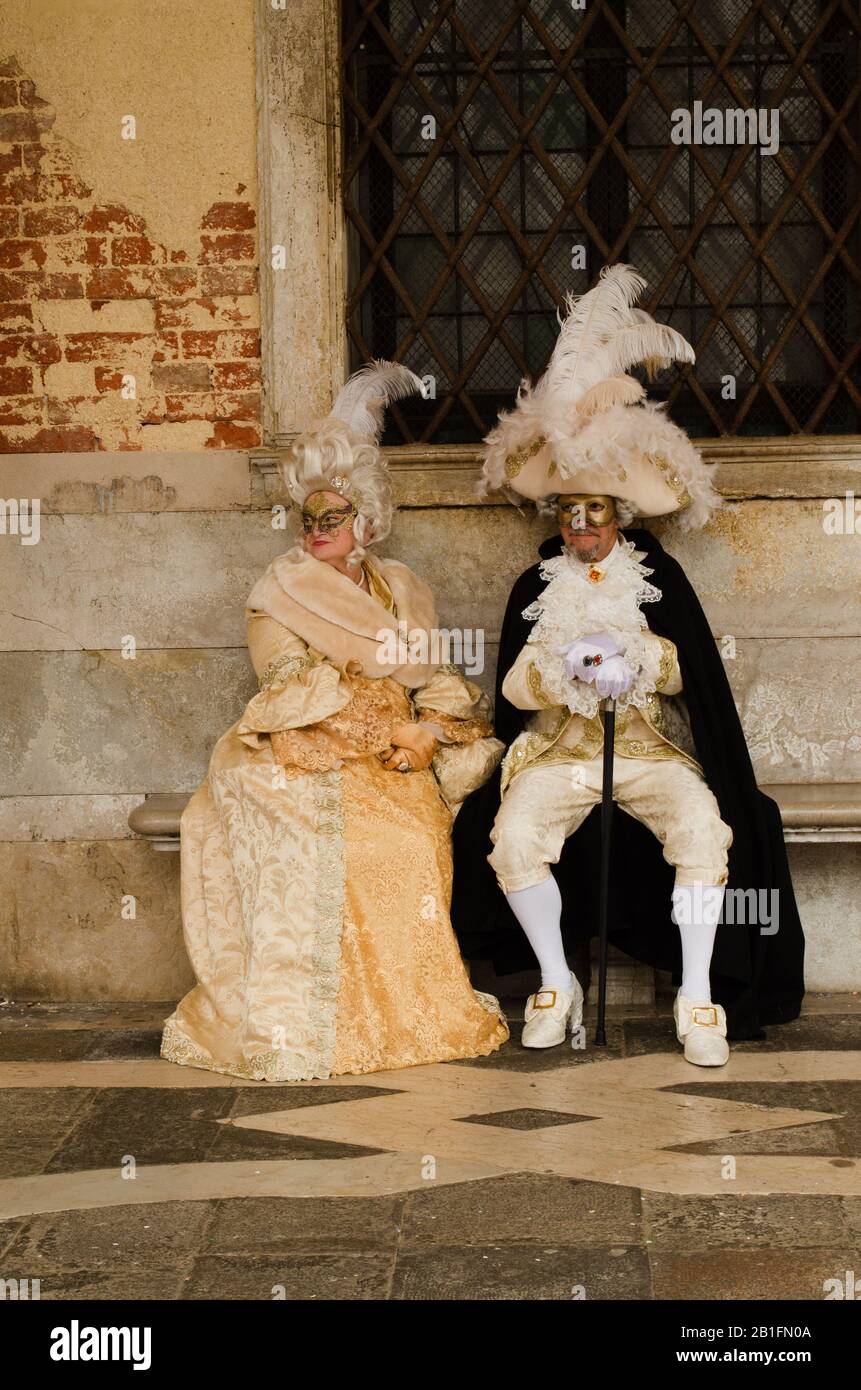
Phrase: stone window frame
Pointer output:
(303, 332)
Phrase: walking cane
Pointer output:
(604, 891)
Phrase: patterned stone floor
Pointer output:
(619, 1173)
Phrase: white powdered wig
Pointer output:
(341, 454)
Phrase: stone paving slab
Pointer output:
(522, 1176)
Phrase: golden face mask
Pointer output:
(318, 513)
(580, 509)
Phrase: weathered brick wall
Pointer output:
(112, 340)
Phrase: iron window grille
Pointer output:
(485, 143)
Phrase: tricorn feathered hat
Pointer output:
(341, 453)
(586, 426)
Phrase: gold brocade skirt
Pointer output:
(315, 915)
(405, 996)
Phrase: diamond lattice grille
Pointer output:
(487, 144)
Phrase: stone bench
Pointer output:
(812, 813)
(825, 813)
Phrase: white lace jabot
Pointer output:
(573, 605)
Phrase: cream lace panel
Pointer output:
(262, 905)
(457, 730)
(405, 995)
(364, 726)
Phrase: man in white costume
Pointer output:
(585, 625)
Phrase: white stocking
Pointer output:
(697, 910)
(538, 909)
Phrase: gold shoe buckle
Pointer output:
(707, 1022)
(536, 1005)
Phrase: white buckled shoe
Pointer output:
(550, 1014)
(701, 1028)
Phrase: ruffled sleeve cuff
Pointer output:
(295, 692)
(455, 706)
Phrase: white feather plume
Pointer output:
(362, 400)
(579, 359)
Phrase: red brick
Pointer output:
(57, 188)
(10, 160)
(113, 284)
(110, 215)
(20, 188)
(12, 346)
(16, 381)
(21, 410)
(42, 348)
(95, 250)
(60, 412)
(181, 376)
(132, 250)
(226, 435)
(66, 410)
(228, 280)
(20, 254)
(228, 344)
(9, 220)
(33, 347)
(200, 406)
(16, 286)
(18, 126)
(10, 67)
(165, 347)
(28, 96)
(174, 313)
(15, 316)
(243, 405)
(177, 256)
(232, 216)
(172, 281)
(100, 347)
(51, 221)
(108, 379)
(8, 93)
(235, 376)
(218, 250)
(32, 156)
(59, 286)
(70, 439)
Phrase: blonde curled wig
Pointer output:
(341, 453)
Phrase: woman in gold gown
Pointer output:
(316, 863)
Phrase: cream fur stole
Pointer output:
(333, 615)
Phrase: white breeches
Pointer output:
(544, 805)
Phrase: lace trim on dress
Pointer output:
(283, 669)
(282, 1064)
(329, 913)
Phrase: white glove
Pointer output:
(578, 662)
(614, 677)
(610, 673)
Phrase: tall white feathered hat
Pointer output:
(341, 453)
(586, 426)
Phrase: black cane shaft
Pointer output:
(604, 882)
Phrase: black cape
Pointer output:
(757, 977)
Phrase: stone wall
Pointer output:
(166, 553)
(128, 260)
